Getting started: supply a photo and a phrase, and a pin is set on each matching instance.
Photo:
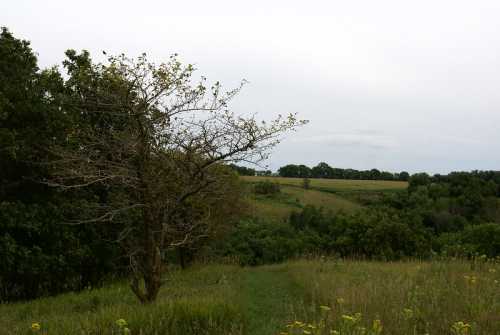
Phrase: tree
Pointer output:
(418, 179)
(243, 170)
(303, 171)
(22, 111)
(158, 138)
(322, 170)
(404, 176)
(39, 256)
(290, 170)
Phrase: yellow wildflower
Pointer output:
(377, 326)
(121, 323)
(460, 328)
(408, 313)
(470, 279)
(299, 324)
(348, 318)
(35, 326)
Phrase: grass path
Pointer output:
(267, 296)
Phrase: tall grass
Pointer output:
(407, 297)
(196, 301)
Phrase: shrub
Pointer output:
(483, 239)
(266, 188)
(40, 256)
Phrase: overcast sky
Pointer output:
(394, 85)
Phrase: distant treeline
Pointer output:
(246, 171)
(323, 170)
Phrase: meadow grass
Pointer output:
(405, 297)
(335, 185)
(279, 207)
(328, 201)
(201, 300)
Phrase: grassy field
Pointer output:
(293, 199)
(335, 185)
(406, 298)
(331, 194)
(201, 300)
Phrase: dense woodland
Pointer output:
(46, 251)
(39, 254)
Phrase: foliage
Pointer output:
(266, 188)
(255, 242)
(243, 170)
(40, 256)
(323, 170)
(454, 215)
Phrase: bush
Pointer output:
(370, 233)
(266, 188)
(41, 257)
(256, 242)
(483, 239)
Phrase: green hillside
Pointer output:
(330, 194)
(293, 198)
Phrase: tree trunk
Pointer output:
(149, 270)
(150, 275)
(182, 257)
